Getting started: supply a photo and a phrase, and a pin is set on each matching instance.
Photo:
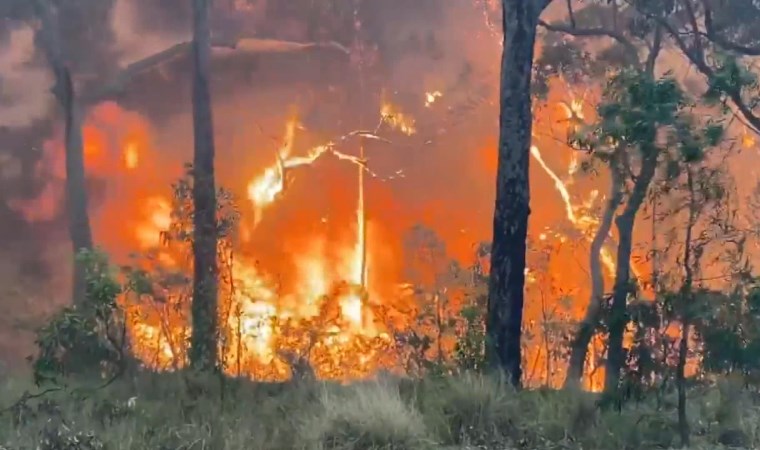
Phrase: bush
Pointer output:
(89, 337)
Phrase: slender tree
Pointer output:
(76, 191)
(203, 351)
(512, 208)
(638, 158)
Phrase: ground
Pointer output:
(175, 411)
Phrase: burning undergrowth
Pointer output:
(322, 260)
(328, 316)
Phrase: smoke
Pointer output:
(142, 27)
(23, 94)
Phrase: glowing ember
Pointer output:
(131, 156)
(158, 211)
(431, 97)
(748, 139)
(397, 120)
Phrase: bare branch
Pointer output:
(654, 50)
(598, 32)
(712, 34)
(695, 54)
(570, 13)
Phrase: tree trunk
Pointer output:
(76, 189)
(510, 223)
(203, 351)
(686, 297)
(618, 318)
(579, 345)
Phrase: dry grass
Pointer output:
(153, 411)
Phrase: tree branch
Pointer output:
(654, 51)
(571, 13)
(50, 41)
(712, 34)
(598, 32)
(696, 56)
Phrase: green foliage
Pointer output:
(636, 112)
(729, 75)
(470, 347)
(181, 228)
(729, 327)
(559, 57)
(88, 336)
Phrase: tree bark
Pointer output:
(582, 339)
(76, 190)
(625, 224)
(203, 349)
(686, 296)
(512, 208)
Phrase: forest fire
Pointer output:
(404, 198)
(330, 310)
(321, 263)
(329, 307)
(329, 314)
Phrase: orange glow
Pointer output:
(131, 157)
(317, 265)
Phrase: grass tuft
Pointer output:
(368, 415)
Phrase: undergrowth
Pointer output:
(156, 411)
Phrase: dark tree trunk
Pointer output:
(618, 316)
(76, 190)
(686, 297)
(203, 351)
(510, 223)
(582, 339)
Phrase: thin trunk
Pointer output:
(579, 345)
(76, 189)
(625, 224)
(510, 224)
(683, 347)
(203, 352)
